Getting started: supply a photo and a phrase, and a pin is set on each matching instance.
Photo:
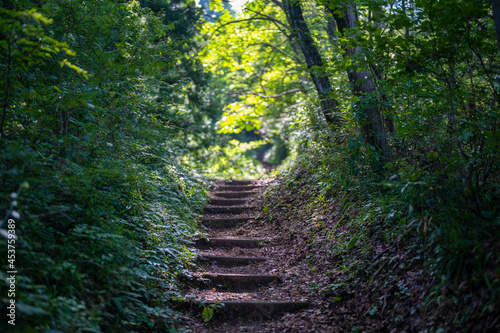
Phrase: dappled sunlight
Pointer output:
(340, 159)
(228, 162)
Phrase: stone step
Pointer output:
(224, 223)
(252, 310)
(236, 181)
(230, 194)
(228, 210)
(229, 261)
(238, 282)
(213, 243)
(238, 188)
(227, 202)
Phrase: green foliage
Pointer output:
(208, 311)
(102, 229)
(107, 106)
(255, 71)
(430, 225)
(437, 189)
(434, 69)
(228, 161)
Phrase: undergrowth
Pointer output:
(399, 246)
(90, 169)
(229, 160)
(101, 243)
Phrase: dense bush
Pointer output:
(90, 166)
(429, 71)
(105, 105)
(429, 225)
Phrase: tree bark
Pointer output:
(496, 16)
(314, 62)
(372, 125)
(330, 29)
(387, 111)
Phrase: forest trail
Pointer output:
(236, 266)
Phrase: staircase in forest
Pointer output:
(234, 264)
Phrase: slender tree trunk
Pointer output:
(330, 29)
(496, 16)
(7, 88)
(372, 124)
(387, 111)
(301, 34)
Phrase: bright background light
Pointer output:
(237, 4)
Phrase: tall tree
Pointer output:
(314, 61)
(372, 125)
(496, 17)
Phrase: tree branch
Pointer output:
(269, 18)
(279, 4)
(275, 47)
(254, 18)
(292, 91)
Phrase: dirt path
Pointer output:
(239, 265)
(277, 267)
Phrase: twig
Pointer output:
(292, 91)
(279, 95)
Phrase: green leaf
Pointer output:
(373, 311)
(30, 310)
(352, 242)
(389, 87)
(207, 313)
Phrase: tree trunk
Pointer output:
(372, 125)
(387, 111)
(496, 16)
(301, 34)
(331, 28)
